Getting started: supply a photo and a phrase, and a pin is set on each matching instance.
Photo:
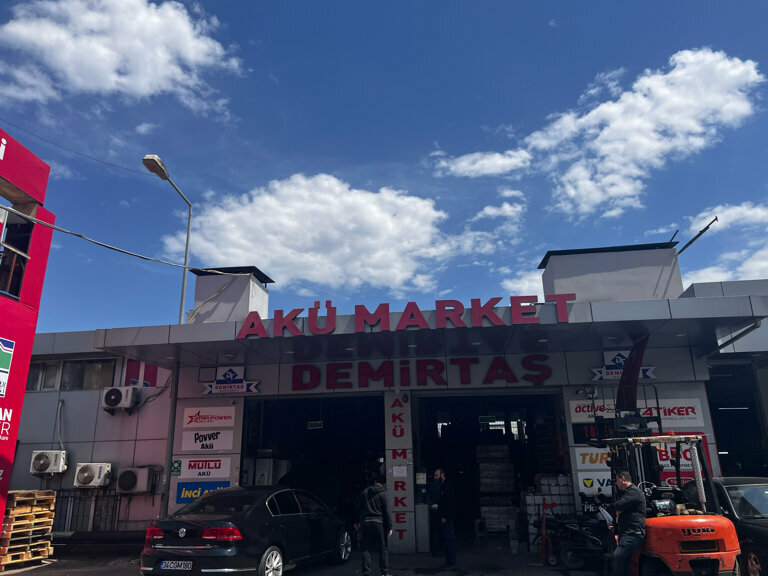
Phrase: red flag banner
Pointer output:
(626, 396)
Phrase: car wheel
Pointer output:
(751, 564)
(272, 562)
(343, 547)
(571, 559)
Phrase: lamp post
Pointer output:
(156, 166)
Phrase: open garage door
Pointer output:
(323, 445)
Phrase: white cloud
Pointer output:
(611, 150)
(709, 274)
(145, 128)
(506, 210)
(483, 163)
(603, 82)
(321, 230)
(747, 264)
(130, 48)
(599, 160)
(746, 214)
(661, 230)
(60, 171)
(509, 193)
(512, 216)
(525, 284)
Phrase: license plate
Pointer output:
(176, 565)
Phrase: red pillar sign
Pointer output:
(24, 248)
(399, 463)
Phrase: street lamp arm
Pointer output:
(180, 192)
(155, 165)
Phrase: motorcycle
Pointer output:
(588, 538)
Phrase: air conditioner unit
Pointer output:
(48, 462)
(135, 480)
(92, 474)
(125, 397)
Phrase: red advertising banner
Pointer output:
(23, 180)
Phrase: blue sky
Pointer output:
(369, 152)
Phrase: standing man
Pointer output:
(376, 524)
(435, 527)
(630, 516)
(446, 509)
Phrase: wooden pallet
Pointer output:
(25, 555)
(42, 531)
(16, 540)
(24, 547)
(45, 499)
(14, 515)
(26, 532)
(23, 564)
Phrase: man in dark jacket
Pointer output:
(446, 509)
(435, 527)
(630, 512)
(376, 524)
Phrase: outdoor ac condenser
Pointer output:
(92, 474)
(125, 397)
(48, 462)
(135, 480)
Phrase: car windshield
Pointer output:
(220, 502)
(749, 501)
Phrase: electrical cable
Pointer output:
(211, 297)
(74, 151)
(115, 248)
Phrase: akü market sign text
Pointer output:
(448, 313)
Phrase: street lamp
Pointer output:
(156, 166)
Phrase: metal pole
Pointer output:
(186, 254)
(166, 498)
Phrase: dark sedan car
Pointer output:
(245, 531)
(745, 501)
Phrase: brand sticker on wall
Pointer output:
(203, 441)
(209, 417)
(205, 467)
(231, 380)
(6, 355)
(188, 491)
(674, 412)
(614, 366)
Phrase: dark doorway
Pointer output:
(324, 445)
(491, 447)
(737, 419)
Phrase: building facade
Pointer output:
(502, 393)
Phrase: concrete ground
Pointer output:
(488, 558)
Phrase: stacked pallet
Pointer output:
(26, 533)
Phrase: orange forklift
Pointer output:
(685, 532)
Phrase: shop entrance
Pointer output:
(324, 445)
(492, 447)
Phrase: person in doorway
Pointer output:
(630, 519)
(435, 527)
(375, 524)
(446, 509)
